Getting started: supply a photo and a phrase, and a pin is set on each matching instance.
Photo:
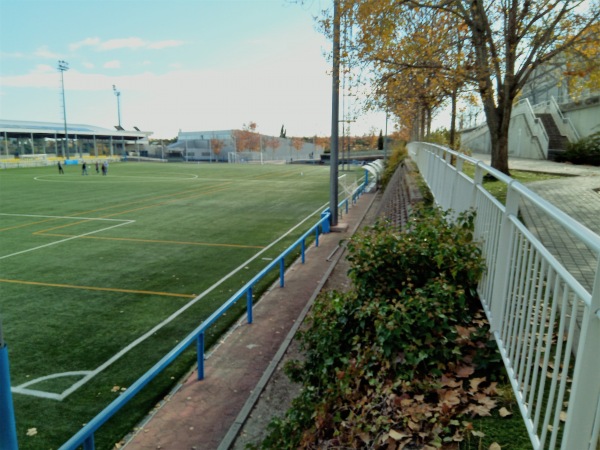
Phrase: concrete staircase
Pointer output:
(557, 142)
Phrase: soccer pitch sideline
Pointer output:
(100, 276)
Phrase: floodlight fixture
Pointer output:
(63, 66)
(118, 95)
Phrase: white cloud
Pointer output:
(159, 45)
(114, 64)
(88, 65)
(132, 43)
(11, 55)
(43, 52)
(113, 44)
(44, 68)
(85, 43)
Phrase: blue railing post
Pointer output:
(89, 444)
(249, 303)
(200, 355)
(281, 272)
(326, 224)
(346, 201)
(8, 428)
(316, 236)
(366, 177)
(303, 249)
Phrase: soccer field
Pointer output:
(100, 276)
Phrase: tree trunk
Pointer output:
(453, 118)
(499, 138)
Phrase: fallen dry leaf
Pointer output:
(475, 382)
(397, 436)
(31, 431)
(504, 412)
(464, 371)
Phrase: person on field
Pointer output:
(97, 170)
(84, 169)
(60, 168)
(104, 168)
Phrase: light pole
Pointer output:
(335, 116)
(118, 95)
(63, 66)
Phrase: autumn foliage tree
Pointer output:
(216, 146)
(273, 143)
(247, 139)
(493, 45)
(297, 143)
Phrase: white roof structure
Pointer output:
(27, 129)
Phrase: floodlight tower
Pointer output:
(63, 66)
(118, 95)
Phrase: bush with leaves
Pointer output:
(584, 151)
(384, 262)
(397, 155)
(400, 359)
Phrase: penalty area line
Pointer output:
(157, 327)
(68, 239)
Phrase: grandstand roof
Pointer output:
(24, 129)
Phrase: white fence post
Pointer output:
(583, 415)
(529, 297)
(502, 265)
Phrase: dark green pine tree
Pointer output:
(380, 141)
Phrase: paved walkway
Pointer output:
(577, 195)
(206, 414)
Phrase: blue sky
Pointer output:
(179, 64)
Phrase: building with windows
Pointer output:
(227, 146)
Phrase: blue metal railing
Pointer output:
(8, 433)
(85, 436)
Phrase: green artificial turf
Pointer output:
(88, 264)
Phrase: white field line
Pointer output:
(121, 223)
(88, 375)
(60, 179)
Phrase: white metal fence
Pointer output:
(546, 324)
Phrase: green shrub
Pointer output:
(584, 151)
(383, 262)
(392, 359)
(397, 156)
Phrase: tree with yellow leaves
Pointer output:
(502, 42)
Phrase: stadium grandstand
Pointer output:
(41, 140)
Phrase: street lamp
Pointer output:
(118, 94)
(63, 66)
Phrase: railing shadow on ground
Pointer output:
(85, 437)
(546, 324)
